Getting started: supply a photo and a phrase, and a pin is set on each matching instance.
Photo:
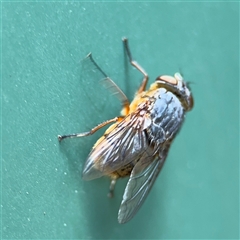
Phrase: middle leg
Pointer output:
(137, 66)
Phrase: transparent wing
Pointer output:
(140, 183)
(123, 143)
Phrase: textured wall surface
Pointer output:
(46, 92)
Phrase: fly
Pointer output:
(138, 141)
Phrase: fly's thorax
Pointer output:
(177, 86)
(138, 100)
(167, 115)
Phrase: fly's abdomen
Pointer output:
(167, 116)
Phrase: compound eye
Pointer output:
(168, 79)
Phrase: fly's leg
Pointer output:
(92, 131)
(137, 66)
(115, 89)
(112, 186)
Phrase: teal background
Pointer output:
(45, 93)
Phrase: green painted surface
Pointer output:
(45, 93)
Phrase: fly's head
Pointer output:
(177, 86)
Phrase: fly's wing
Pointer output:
(140, 183)
(124, 143)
